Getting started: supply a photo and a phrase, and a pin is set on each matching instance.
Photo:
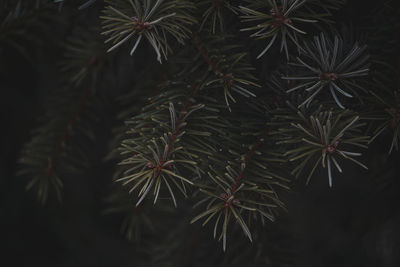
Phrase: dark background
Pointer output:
(356, 223)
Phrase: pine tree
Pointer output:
(210, 113)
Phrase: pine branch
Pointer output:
(318, 138)
(153, 20)
(155, 163)
(51, 150)
(230, 70)
(277, 20)
(329, 65)
(247, 186)
(47, 157)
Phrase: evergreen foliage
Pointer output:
(329, 64)
(198, 137)
(152, 19)
(280, 19)
(318, 138)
